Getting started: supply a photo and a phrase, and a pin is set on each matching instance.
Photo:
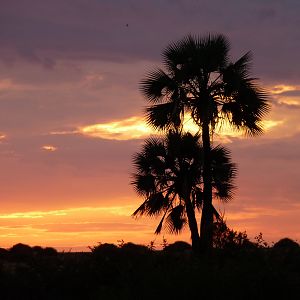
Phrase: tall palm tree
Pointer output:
(169, 175)
(199, 80)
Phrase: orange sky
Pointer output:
(53, 199)
(71, 117)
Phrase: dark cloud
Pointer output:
(44, 31)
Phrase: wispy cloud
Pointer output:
(33, 214)
(287, 96)
(130, 128)
(283, 88)
(251, 213)
(49, 148)
(125, 210)
(136, 128)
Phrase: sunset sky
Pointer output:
(71, 115)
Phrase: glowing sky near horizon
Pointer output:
(71, 115)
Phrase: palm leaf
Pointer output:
(176, 219)
(143, 184)
(156, 86)
(164, 116)
(153, 205)
(223, 174)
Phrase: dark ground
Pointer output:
(136, 272)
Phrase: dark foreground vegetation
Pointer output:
(239, 269)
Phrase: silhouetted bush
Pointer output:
(3, 253)
(228, 239)
(178, 247)
(103, 248)
(134, 248)
(21, 251)
(105, 251)
(287, 244)
(49, 251)
(38, 250)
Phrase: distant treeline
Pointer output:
(244, 270)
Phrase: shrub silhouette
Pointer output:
(287, 244)
(134, 249)
(21, 251)
(38, 250)
(105, 251)
(49, 251)
(178, 247)
(3, 252)
(226, 238)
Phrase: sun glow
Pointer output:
(136, 128)
(73, 228)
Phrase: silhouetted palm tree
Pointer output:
(199, 80)
(169, 175)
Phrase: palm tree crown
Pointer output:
(200, 80)
(169, 176)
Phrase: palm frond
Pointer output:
(153, 205)
(150, 159)
(224, 173)
(157, 85)
(178, 53)
(193, 55)
(224, 191)
(176, 219)
(141, 210)
(164, 116)
(253, 106)
(160, 225)
(143, 184)
(235, 74)
(245, 102)
(243, 65)
(213, 50)
(183, 145)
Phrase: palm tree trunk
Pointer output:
(193, 225)
(206, 226)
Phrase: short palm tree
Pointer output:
(200, 81)
(169, 175)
